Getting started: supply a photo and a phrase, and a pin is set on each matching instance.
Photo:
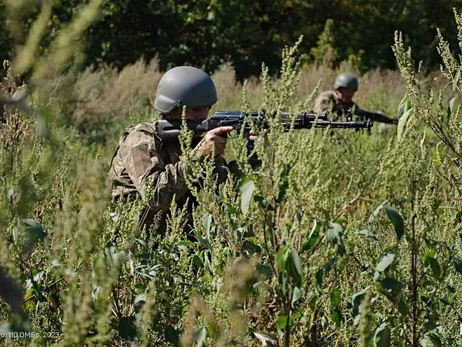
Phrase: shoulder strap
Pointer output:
(174, 149)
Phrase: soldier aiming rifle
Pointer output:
(149, 156)
(339, 101)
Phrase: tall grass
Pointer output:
(339, 238)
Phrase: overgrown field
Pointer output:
(340, 238)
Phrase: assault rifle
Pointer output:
(169, 130)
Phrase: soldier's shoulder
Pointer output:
(140, 128)
(328, 94)
(143, 127)
(139, 132)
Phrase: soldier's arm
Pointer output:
(155, 181)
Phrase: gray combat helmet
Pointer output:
(185, 86)
(346, 80)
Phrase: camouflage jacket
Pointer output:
(328, 102)
(142, 163)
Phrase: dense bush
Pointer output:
(241, 32)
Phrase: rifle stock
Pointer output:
(374, 116)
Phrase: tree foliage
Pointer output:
(245, 33)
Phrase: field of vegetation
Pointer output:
(340, 238)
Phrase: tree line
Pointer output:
(245, 33)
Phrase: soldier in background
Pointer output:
(325, 102)
(143, 163)
(340, 101)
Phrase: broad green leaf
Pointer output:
(141, 242)
(335, 297)
(337, 316)
(356, 307)
(296, 295)
(430, 253)
(262, 202)
(204, 242)
(392, 289)
(282, 322)
(376, 211)
(335, 236)
(256, 244)
(11, 194)
(367, 233)
(230, 208)
(140, 298)
(457, 264)
(265, 339)
(446, 302)
(139, 302)
(200, 335)
(184, 245)
(335, 232)
(430, 243)
(456, 79)
(207, 263)
(110, 251)
(35, 233)
(320, 277)
(294, 267)
(397, 221)
(312, 238)
(297, 262)
(435, 266)
(281, 259)
(404, 105)
(451, 106)
(324, 270)
(308, 244)
(431, 340)
(401, 108)
(382, 337)
(172, 335)
(402, 122)
(385, 261)
(402, 308)
(207, 222)
(247, 190)
(329, 264)
(391, 284)
(198, 261)
(127, 327)
(293, 317)
(238, 232)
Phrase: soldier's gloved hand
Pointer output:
(255, 135)
(212, 140)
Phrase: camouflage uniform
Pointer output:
(341, 108)
(328, 102)
(143, 162)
